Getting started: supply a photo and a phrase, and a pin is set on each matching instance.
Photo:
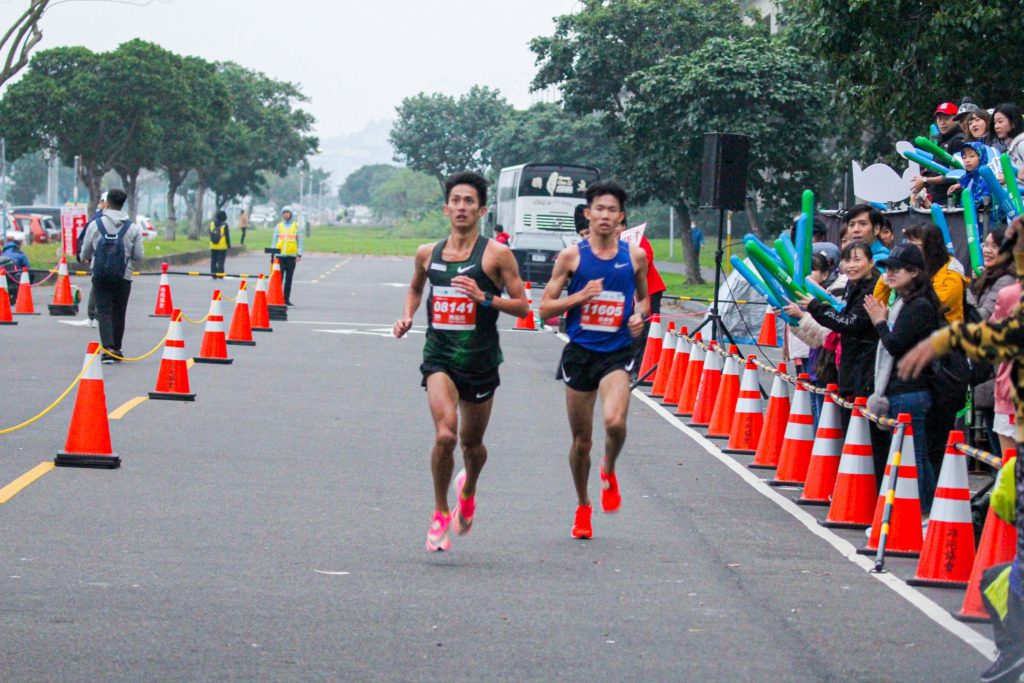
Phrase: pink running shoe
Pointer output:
(437, 535)
(465, 508)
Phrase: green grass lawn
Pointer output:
(46, 256)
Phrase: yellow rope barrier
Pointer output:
(195, 322)
(137, 358)
(53, 405)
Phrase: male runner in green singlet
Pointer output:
(461, 356)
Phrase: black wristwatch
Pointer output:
(488, 299)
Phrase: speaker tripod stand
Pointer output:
(713, 317)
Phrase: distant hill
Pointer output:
(342, 155)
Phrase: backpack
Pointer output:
(215, 233)
(109, 260)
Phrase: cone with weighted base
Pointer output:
(63, 303)
(769, 445)
(748, 420)
(998, 544)
(665, 360)
(691, 381)
(825, 454)
(214, 347)
(276, 307)
(88, 442)
(6, 318)
(172, 380)
(724, 411)
(652, 350)
(853, 496)
(948, 552)
(260, 312)
(905, 536)
(241, 324)
(164, 303)
(23, 305)
(527, 322)
(710, 378)
(798, 441)
(680, 362)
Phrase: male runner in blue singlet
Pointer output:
(606, 304)
(461, 356)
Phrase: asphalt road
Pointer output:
(273, 529)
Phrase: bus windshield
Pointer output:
(555, 181)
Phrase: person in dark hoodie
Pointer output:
(220, 242)
(951, 139)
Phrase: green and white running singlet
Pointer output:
(461, 334)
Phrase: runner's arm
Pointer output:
(414, 295)
(508, 275)
(642, 306)
(551, 303)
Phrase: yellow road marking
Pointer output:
(128, 405)
(9, 491)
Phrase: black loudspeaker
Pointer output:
(723, 177)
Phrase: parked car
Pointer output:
(42, 228)
(536, 252)
(50, 211)
(148, 228)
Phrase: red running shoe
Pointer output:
(610, 498)
(581, 526)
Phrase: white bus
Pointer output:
(540, 197)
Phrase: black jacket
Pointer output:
(916, 321)
(857, 335)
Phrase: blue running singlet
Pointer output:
(601, 323)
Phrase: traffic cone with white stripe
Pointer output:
(773, 433)
(691, 381)
(905, 537)
(63, 303)
(769, 335)
(276, 306)
(798, 441)
(6, 318)
(240, 332)
(825, 454)
(665, 360)
(23, 305)
(260, 312)
(88, 442)
(998, 545)
(724, 411)
(172, 380)
(748, 419)
(652, 350)
(527, 322)
(680, 362)
(164, 302)
(853, 496)
(710, 378)
(948, 552)
(214, 347)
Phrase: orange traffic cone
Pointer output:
(527, 322)
(998, 544)
(652, 350)
(5, 301)
(172, 380)
(63, 303)
(724, 410)
(748, 420)
(710, 378)
(948, 552)
(23, 304)
(825, 454)
(214, 347)
(275, 294)
(769, 445)
(905, 537)
(798, 442)
(164, 304)
(88, 442)
(665, 360)
(241, 324)
(853, 496)
(769, 335)
(691, 381)
(260, 312)
(680, 362)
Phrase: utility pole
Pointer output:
(3, 186)
(74, 191)
(671, 233)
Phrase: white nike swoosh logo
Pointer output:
(486, 393)
(629, 368)
(566, 377)
(621, 265)
(463, 269)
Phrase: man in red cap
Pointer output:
(951, 139)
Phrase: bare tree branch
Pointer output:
(20, 38)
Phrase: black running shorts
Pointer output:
(582, 369)
(472, 387)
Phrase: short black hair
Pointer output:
(578, 219)
(603, 187)
(116, 198)
(474, 180)
(874, 215)
(221, 216)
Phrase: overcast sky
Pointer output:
(355, 60)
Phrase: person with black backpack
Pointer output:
(113, 246)
(220, 242)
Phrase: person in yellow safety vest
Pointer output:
(220, 242)
(287, 240)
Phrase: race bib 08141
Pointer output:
(452, 310)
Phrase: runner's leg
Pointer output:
(580, 408)
(475, 417)
(443, 398)
(614, 389)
